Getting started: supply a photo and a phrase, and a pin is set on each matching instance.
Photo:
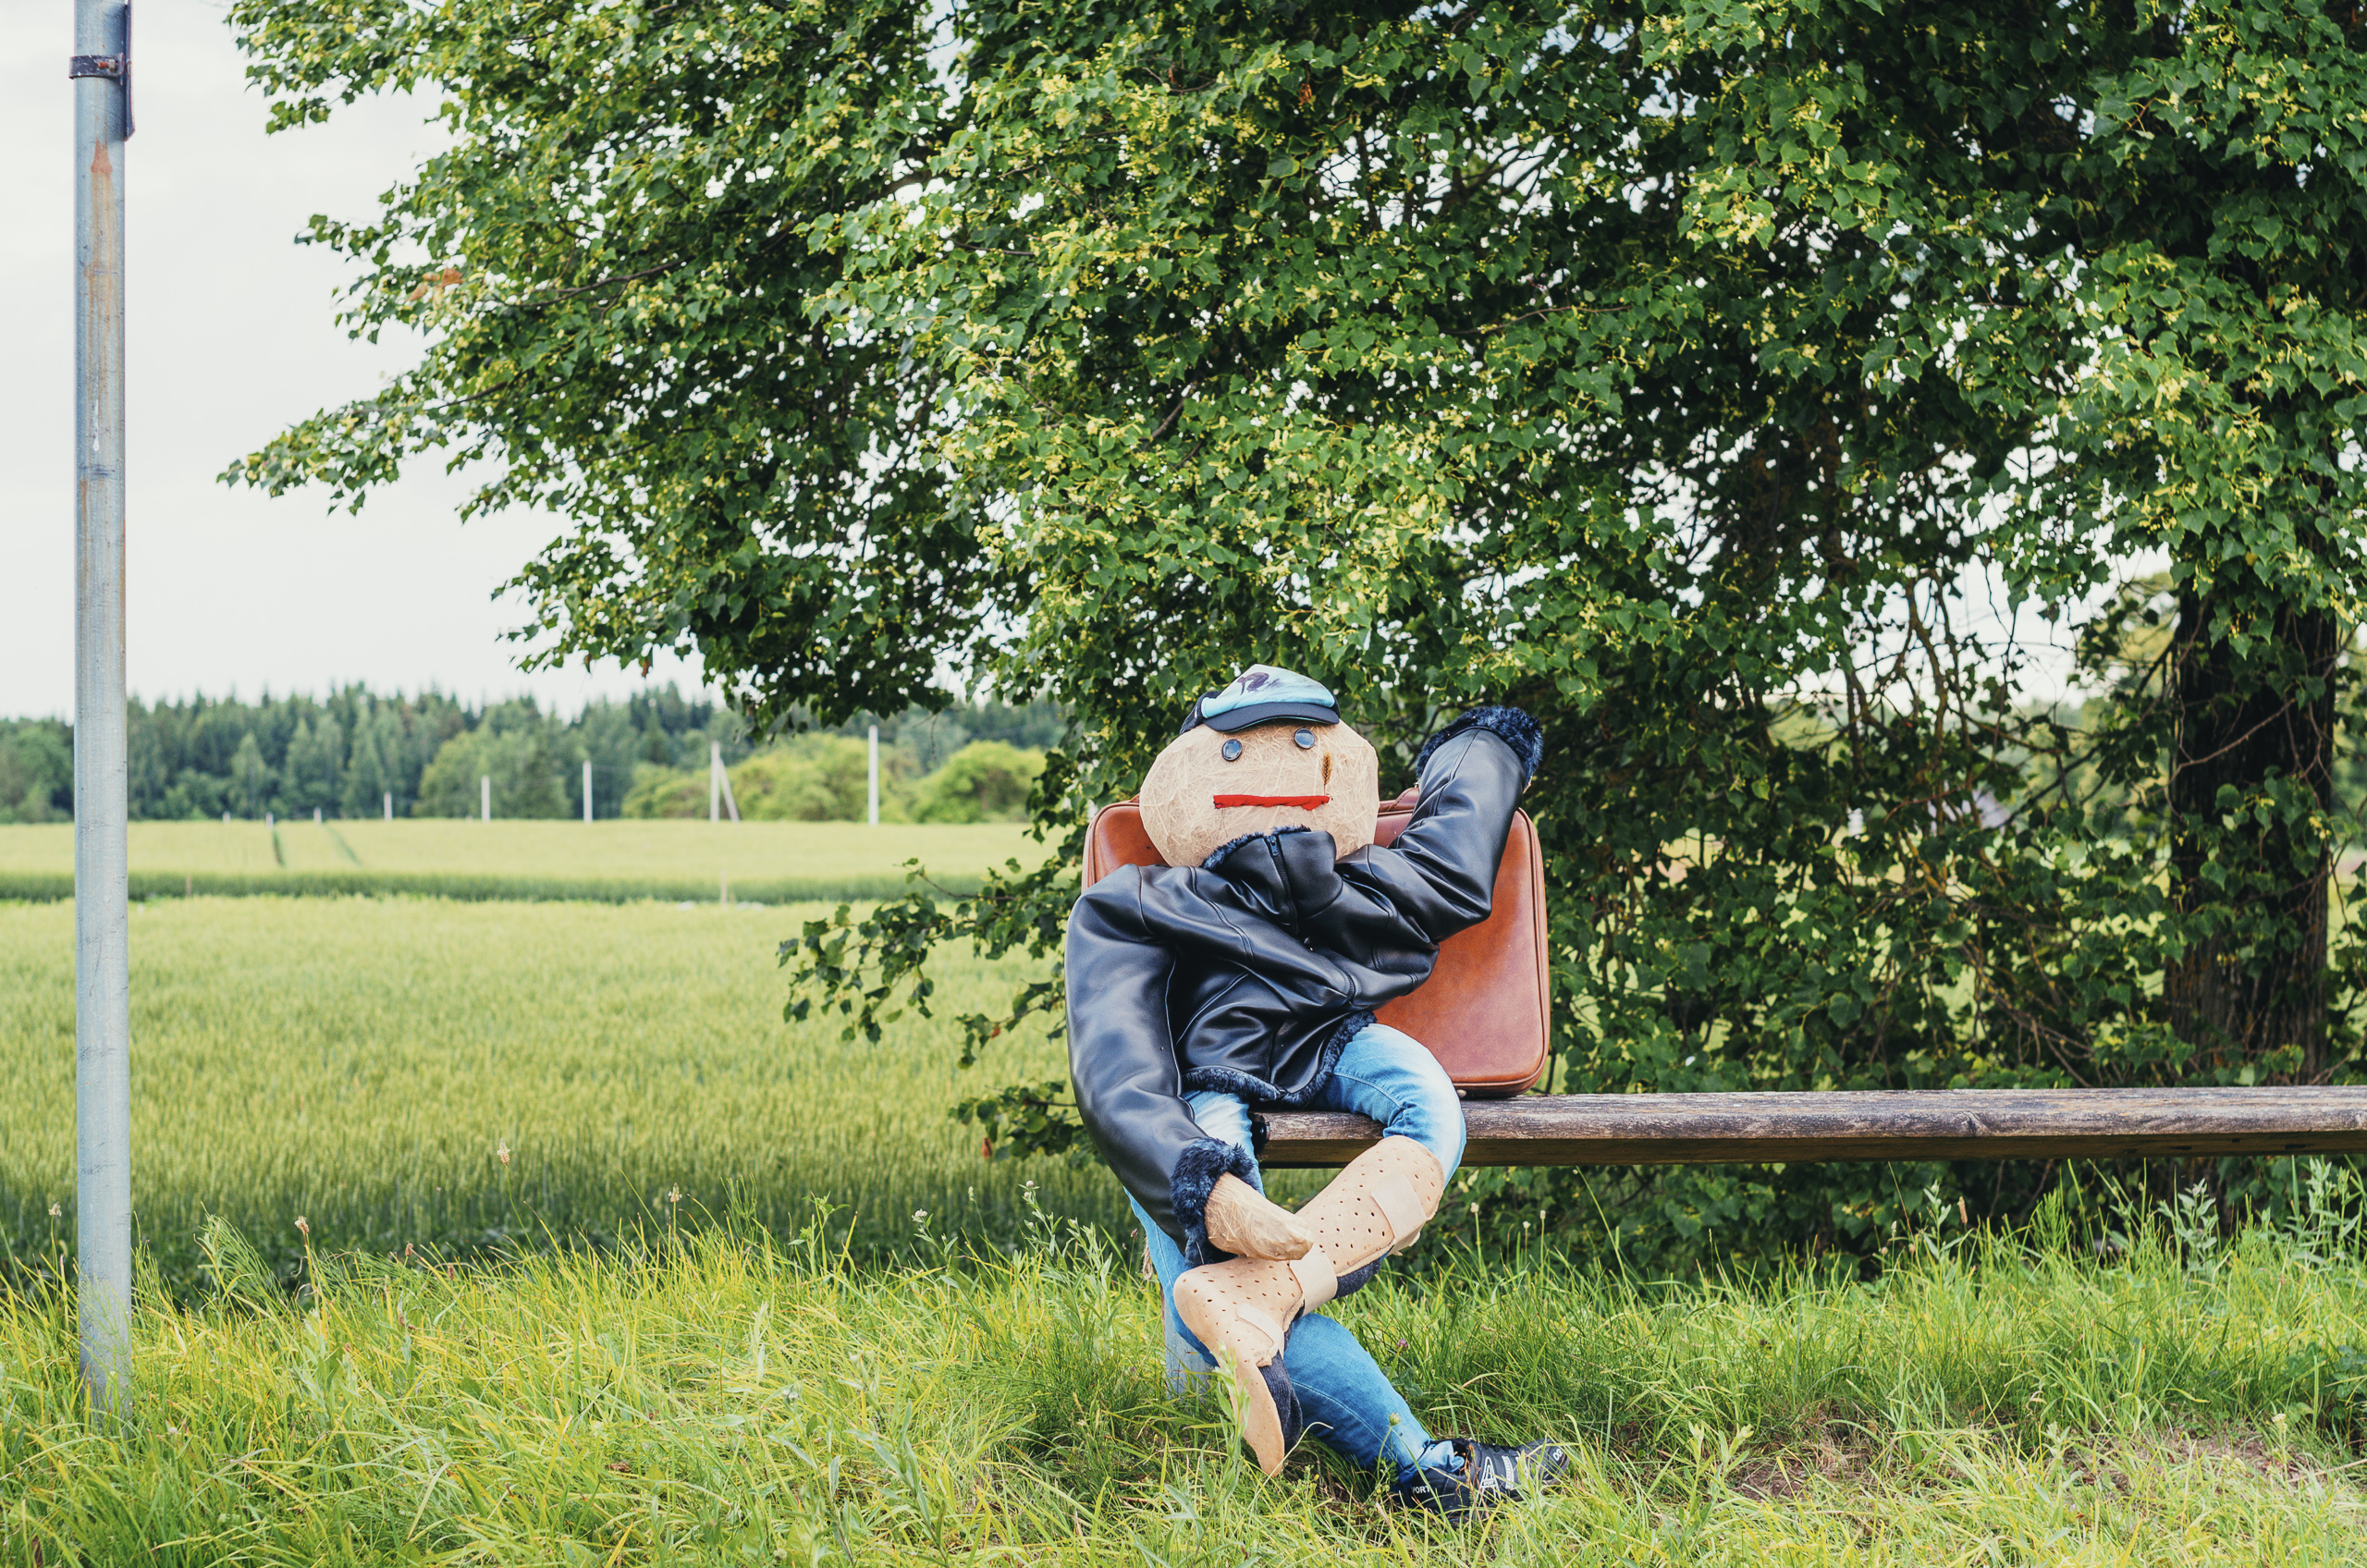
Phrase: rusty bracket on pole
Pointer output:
(112, 67)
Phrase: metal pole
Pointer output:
(102, 928)
(875, 776)
(715, 781)
(485, 796)
(587, 791)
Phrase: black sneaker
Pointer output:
(1443, 1491)
(1496, 1473)
(1483, 1475)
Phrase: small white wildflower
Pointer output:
(56, 1212)
(307, 1229)
(920, 1214)
(501, 1151)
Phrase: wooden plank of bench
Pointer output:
(1870, 1124)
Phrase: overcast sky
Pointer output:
(230, 337)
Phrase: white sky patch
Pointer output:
(230, 337)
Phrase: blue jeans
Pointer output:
(1347, 1399)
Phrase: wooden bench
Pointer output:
(1484, 1012)
(1805, 1128)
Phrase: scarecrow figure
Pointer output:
(1244, 972)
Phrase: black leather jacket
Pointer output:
(1250, 973)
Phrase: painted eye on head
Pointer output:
(1231, 751)
(1306, 739)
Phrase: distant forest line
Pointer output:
(357, 753)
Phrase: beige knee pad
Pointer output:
(1243, 1309)
(1377, 1205)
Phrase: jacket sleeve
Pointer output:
(1121, 1060)
(1440, 877)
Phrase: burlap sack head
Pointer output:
(1179, 797)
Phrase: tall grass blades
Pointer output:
(430, 1074)
(740, 1399)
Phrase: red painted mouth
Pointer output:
(1304, 802)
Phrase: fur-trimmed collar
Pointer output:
(1210, 861)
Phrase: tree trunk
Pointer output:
(2257, 984)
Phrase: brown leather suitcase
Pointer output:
(1482, 1011)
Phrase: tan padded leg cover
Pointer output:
(1240, 1309)
(1261, 1423)
(1378, 1203)
(1244, 1305)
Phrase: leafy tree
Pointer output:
(251, 776)
(368, 778)
(603, 736)
(36, 771)
(810, 779)
(684, 269)
(661, 792)
(822, 778)
(516, 749)
(985, 781)
(315, 765)
(1693, 375)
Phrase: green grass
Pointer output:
(743, 1379)
(367, 1062)
(607, 861)
(734, 1402)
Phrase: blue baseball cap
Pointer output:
(1262, 694)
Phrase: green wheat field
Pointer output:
(612, 861)
(456, 1075)
(603, 1262)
